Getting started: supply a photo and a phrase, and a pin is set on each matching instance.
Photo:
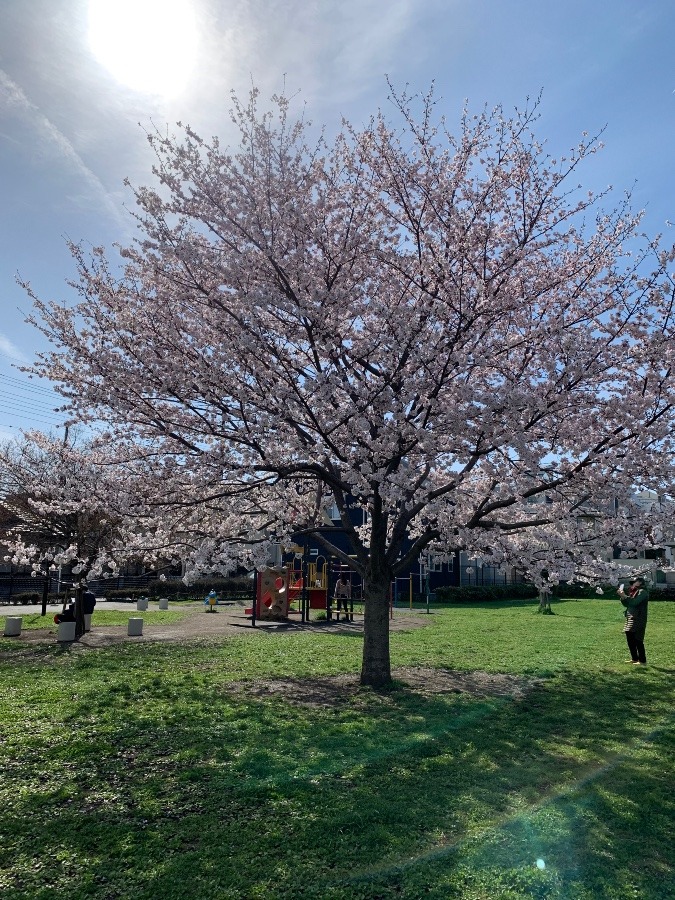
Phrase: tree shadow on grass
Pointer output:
(185, 791)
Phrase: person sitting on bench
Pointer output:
(68, 615)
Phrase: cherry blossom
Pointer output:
(442, 331)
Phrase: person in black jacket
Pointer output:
(88, 604)
(636, 602)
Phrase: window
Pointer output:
(654, 553)
(334, 513)
(435, 563)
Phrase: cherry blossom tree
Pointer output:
(56, 509)
(441, 332)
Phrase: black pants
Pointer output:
(636, 647)
(342, 601)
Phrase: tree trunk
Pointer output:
(545, 603)
(376, 667)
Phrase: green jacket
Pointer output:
(636, 612)
(631, 602)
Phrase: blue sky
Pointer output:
(76, 79)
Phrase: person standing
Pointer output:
(343, 593)
(88, 604)
(636, 602)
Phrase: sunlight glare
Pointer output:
(149, 45)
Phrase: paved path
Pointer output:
(196, 624)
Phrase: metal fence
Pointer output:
(12, 585)
(480, 575)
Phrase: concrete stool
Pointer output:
(164, 603)
(141, 604)
(135, 628)
(87, 621)
(13, 626)
(66, 632)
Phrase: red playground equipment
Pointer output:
(279, 591)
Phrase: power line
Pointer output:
(33, 425)
(13, 398)
(29, 414)
(22, 362)
(15, 394)
(26, 386)
(29, 407)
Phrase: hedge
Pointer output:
(124, 594)
(573, 590)
(486, 592)
(520, 591)
(27, 598)
(666, 593)
(176, 589)
(199, 589)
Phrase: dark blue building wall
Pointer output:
(441, 575)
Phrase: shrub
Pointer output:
(122, 594)
(172, 589)
(199, 590)
(175, 589)
(26, 597)
(666, 593)
(485, 593)
(576, 591)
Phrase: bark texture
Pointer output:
(376, 667)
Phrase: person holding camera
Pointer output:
(636, 603)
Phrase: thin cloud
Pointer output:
(12, 97)
(339, 52)
(11, 351)
(364, 54)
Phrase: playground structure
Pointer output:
(299, 586)
(280, 591)
(402, 590)
(295, 589)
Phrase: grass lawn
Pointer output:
(133, 772)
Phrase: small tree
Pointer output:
(441, 332)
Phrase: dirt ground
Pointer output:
(200, 625)
(335, 689)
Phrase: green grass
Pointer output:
(133, 772)
(101, 618)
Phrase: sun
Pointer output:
(149, 45)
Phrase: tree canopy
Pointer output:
(441, 330)
(57, 509)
